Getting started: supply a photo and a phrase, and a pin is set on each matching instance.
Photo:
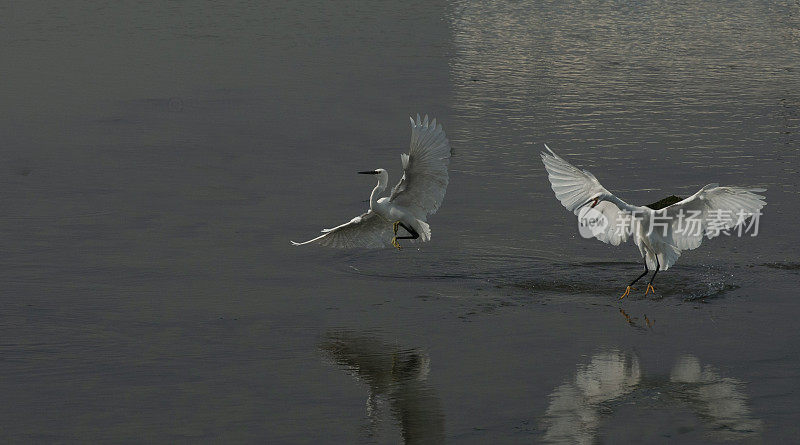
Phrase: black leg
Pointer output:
(658, 266)
(628, 289)
(650, 284)
(414, 234)
(643, 273)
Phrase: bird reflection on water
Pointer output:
(577, 407)
(396, 376)
(574, 412)
(719, 401)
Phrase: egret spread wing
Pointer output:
(706, 213)
(422, 187)
(369, 230)
(575, 187)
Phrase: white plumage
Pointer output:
(419, 193)
(657, 232)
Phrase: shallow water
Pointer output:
(158, 158)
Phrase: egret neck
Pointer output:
(383, 180)
(622, 205)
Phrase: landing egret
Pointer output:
(662, 229)
(418, 194)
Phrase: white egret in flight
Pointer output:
(660, 230)
(418, 194)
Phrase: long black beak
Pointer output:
(372, 172)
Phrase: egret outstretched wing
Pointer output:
(369, 230)
(707, 212)
(575, 187)
(422, 187)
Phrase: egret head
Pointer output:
(593, 202)
(383, 175)
(596, 200)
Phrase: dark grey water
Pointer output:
(157, 158)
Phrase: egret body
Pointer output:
(419, 193)
(656, 229)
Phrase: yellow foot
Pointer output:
(396, 244)
(650, 288)
(627, 292)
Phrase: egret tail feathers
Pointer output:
(668, 255)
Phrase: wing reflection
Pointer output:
(574, 414)
(719, 401)
(395, 376)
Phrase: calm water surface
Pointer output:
(158, 157)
